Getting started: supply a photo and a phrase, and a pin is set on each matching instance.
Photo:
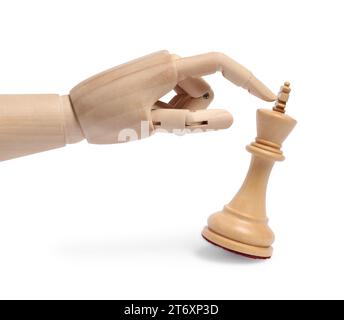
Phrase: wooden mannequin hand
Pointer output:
(123, 103)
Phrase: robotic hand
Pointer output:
(122, 104)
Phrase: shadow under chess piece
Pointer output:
(242, 225)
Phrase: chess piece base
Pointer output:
(249, 251)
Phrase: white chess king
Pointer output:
(242, 225)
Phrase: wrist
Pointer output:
(70, 122)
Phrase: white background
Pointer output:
(124, 221)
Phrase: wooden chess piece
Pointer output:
(242, 225)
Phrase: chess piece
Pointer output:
(107, 107)
(242, 225)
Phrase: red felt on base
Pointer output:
(236, 252)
